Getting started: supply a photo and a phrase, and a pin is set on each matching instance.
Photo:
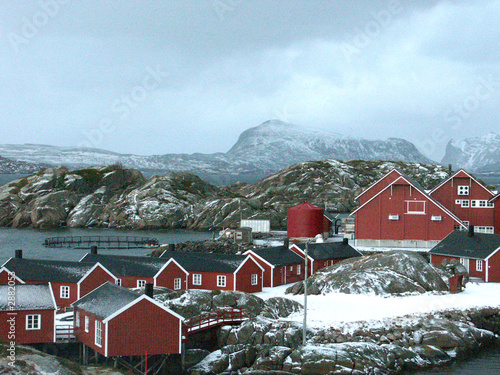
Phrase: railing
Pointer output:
(214, 318)
(65, 333)
(111, 242)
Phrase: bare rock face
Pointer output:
(394, 272)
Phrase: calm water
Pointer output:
(31, 241)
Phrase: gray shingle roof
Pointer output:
(278, 256)
(459, 244)
(106, 300)
(330, 250)
(28, 297)
(48, 270)
(205, 262)
(123, 265)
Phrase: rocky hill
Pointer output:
(122, 198)
(259, 151)
(18, 167)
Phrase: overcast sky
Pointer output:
(156, 77)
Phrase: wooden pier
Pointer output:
(106, 242)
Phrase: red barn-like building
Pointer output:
(69, 280)
(399, 213)
(305, 221)
(115, 321)
(29, 317)
(469, 200)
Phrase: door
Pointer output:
(465, 263)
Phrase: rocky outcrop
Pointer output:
(122, 198)
(18, 167)
(395, 272)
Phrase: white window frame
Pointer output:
(299, 269)
(479, 265)
(118, 282)
(33, 322)
(141, 283)
(484, 229)
(197, 279)
(465, 203)
(86, 323)
(77, 319)
(463, 189)
(255, 279)
(64, 291)
(490, 204)
(98, 333)
(177, 283)
(221, 281)
(414, 212)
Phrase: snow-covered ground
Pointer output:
(337, 309)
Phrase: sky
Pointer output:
(158, 77)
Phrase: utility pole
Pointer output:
(304, 326)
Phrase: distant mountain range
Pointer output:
(18, 167)
(259, 151)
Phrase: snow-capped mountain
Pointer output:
(259, 151)
(480, 154)
(18, 167)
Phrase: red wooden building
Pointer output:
(469, 200)
(8, 277)
(306, 220)
(69, 280)
(320, 255)
(214, 271)
(399, 213)
(496, 200)
(136, 271)
(115, 321)
(27, 313)
(281, 265)
(478, 252)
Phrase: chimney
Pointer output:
(93, 249)
(471, 231)
(18, 254)
(148, 290)
(450, 167)
(171, 247)
(286, 243)
(345, 240)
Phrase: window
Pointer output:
(221, 280)
(177, 283)
(64, 291)
(481, 203)
(489, 230)
(463, 190)
(298, 269)
(98, 333)
(490, 204)
(141, 283)
(33, 322)
(465, 203)
(255, 279)
(77, 319)
(86, 323)
(196, 279)
(118, 282)
(479, 265)
(291, 268)
(415, 207)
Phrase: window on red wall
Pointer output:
(415, 207)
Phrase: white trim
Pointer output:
(67, 289)
(180, 336)
(303, 256)
(487, 274)
(165, 266)
(248, 252)
(11, 273)
(100, 332)
(137, 300)
(55, 336)
(89, 272)
(430, 198)
(246, 260)
(7, 261)
(492, 253)
(53, 298)
(470, 184)
(380, 179)
(106, 338)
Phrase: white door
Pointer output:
(465, 263)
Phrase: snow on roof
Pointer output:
(106, 300)
(27, 297)
(206, 262)
(125, 265)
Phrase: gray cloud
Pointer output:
(80, 72)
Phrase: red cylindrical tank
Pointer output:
(305, 220)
